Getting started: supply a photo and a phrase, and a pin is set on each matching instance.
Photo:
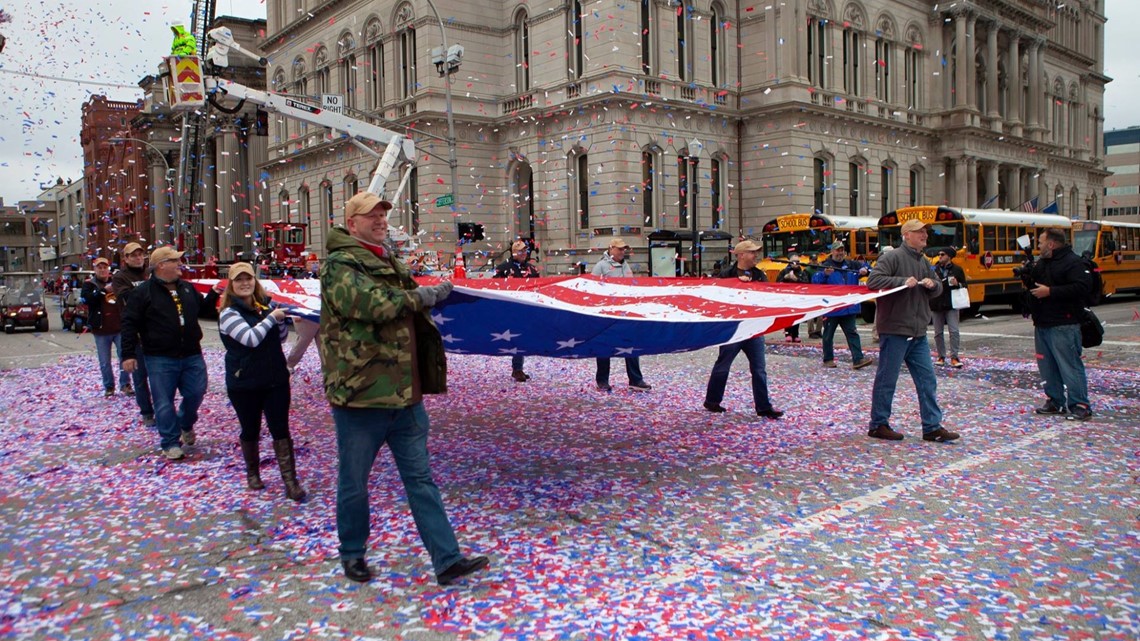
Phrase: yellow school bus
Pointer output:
(1116, 249)
(811, 235)
(984, 243)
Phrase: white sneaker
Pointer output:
(173, 453)
(188, 438)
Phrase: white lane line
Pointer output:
(851, 507)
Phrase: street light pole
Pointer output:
(169, 185)
(451, 160)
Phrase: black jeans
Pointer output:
(273, 402)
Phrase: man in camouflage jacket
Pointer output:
(380, 353)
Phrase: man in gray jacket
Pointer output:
(901, 320)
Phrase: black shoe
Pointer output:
(715, 408)
(356, 570)
(1050, 408)
(520, 376)
(605, 387)
(1079, 413)
(884, 432)
(771, 414)
(940, 435)
(640, 387)
(462, 568)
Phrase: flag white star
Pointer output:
(504, 336)
(440, 319)
(512, 351)
(626, 350)
(572, 343)
(449, 338)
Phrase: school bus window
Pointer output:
(989, 239)
(1108, 244)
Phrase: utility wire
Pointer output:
(82, 82)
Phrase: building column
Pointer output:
(1013, 76)
(961, 182)
(1013, 189)
(971, 69)
(231, 228)
(991, 180)
(992, 75)
(961, 62)
(161, 213)
(1034, 107)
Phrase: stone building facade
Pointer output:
(579, 121)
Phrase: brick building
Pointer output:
(116, 196)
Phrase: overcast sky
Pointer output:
(74, 50)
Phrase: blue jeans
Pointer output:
(142, 387)
(894, 350)
(632, 369)
(168, 375)
(1059, 362)
(103, 344)
(359, 435)
(753, 349)
(847, 323)
(517, 362)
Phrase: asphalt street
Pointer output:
(607, 516)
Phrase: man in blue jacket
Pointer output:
(838, 270)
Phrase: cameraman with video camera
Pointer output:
(1058, 284)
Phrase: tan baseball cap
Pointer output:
(518, 245)
(100, 261)
(913, 225)
(131, 248)
(237, 269)
(747, 245)
(166, 252)
(363, 203)
(617, 242)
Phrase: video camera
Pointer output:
(1025, 271)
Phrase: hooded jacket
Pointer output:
(1069, 283)
(184, 42)
(379, 345)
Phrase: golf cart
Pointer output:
(72, 310)
(22, 304)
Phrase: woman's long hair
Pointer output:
(260, 297)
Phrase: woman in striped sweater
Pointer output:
(257, 379)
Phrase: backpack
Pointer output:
(1097, 289)
(1092, 331)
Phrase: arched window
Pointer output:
(280, 129)
(328, 214)
(347, 51)
(684, 51)
(305, 212)
(912, 69)
(650, 198)
(323, 73)
(817, 53)
(301, 88)
(884, 58)
(647, 23)
(716, 192)
(351, 186)
(579, 179)
(820, 185)
(522, 196)
(576, 40)
(852, 54)
(888, 188)
(283, 203)
(375, 71)
(856, 180)
(914, 186)
(411, 218)
(717, 47)
(406, 56)
(522, 51)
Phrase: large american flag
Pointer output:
(588, 316)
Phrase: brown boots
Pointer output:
(285, 460)
(283, 448)
(252, 457)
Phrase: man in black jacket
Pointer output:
(131, 274)
(1061, 284)
(518, 266)
(163, 313)
(103, 318)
